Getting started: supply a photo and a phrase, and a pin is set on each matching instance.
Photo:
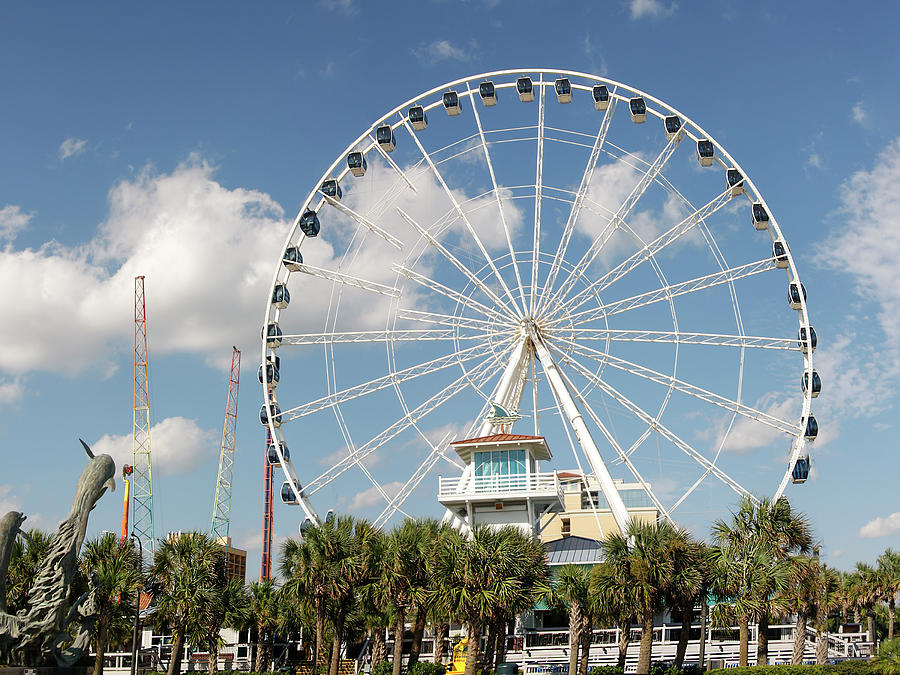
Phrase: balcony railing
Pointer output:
(503, 484)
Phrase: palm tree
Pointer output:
(573, 591)
(186, 571)
(645, 560)
(229, 606)
(773, 527)
(864, 585)
(889, 572)
(429, 532)
(689, 582)
(263, 617)
(613, 604)
(116, 572)
(799, 598)
(25, 559)
(828, 597)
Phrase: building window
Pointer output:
(566, 526)
(500, 463)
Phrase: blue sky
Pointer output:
(178, 141)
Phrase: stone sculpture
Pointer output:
(47, 625)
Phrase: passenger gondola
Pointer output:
(638, 108)
(563, 90)
(292, 258)
(418, 118)
(525, 87)
(706, 151)
(276, 415)
(735, 182)
(331, 189)
(356, 162)
(272, 453)
(794, 292)
(451, 103)
(816, 384)
(281, 296)
(601, 96)
(287, 494)
(384, 136)
(309, 224)
(760, 216)
(812, 428)
(779, 253)
(269, 374)
(801, 470)
(672, 125)
(488, 93)
(809, 345)
(272, 334)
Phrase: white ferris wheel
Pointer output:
(556, 246)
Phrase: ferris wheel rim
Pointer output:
(774, 229)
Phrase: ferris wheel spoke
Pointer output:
(480, 374)
(413, 482)
(490, 165)
(446, 320)
(453, 260)
(683, 338)
(348, 280)
(449, 293)
(391, 379)
(578, 202)
(365, 222)
(646, 252)
(440, 178)
(366, 336)
(673, 290)
(538, 196)
(646, 418)
(686, 388)
(646, 180)
(387, 158)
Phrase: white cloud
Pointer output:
(348, 7)
(867, 245)
(653, 9)
(12, 221)
(859, 114)
(178, 446)
(373, 496)
(11, 390)
(881, 527)
(8, 501)
(444, 50)
(71, 147)
(748, 434)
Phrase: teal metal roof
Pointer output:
(573, 551)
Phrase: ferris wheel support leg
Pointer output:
(620, 513)
(508, 393)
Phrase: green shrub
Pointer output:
(383, 668)
(605, 670)
(851, 667)
(423, 668)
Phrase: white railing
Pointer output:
(501, 484)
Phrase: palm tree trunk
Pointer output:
(100, 646)
(821, 644)
(643, 666)
(177, 648)
(744, 628)
(624, 637)
(574, 635)
(258, 664)
(687, 614)
(398, 643)
(320, 638)
(441, 631)
(587, 634)
(870, 623)
(489, 648)
(701, 657)
(891, 612)
(418, 634)
(762, 639)
(378, 645)
(336, 644)
(474, 629)
(501, 643)
(799, 639)
(213, 663)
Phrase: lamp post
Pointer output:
(137, 607)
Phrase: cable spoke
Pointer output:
(673, 290)
(462, 215)
(615, 222)
(446, 320)
(396, 335)
(379, 383)
(447, 292)
(579, 198)
(348, 280)
(387, 158)
(490, 165)
(687, 388)
(659, 426)
(538, 196)
(647, 252)
(662, 336)
(479, 374)
(453, 260)
(365, 222)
